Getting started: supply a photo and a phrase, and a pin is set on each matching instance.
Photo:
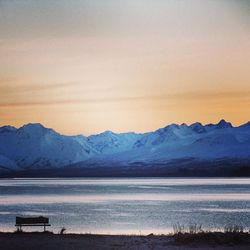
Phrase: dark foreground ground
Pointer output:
(49, 241)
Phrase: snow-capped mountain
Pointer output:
(7, 164)
(213, 141)
(34, 146)
(109, 142)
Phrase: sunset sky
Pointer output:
(82, 67)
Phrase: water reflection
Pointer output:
(135, 205)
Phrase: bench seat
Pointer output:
(32, 222)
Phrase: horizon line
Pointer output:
(104, 131)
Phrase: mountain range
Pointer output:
(34, 147)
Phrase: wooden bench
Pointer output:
(32, 221)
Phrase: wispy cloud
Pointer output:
(10, 86)
(187, 96)
(206, 95)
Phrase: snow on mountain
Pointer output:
(220, 125)
(7, 129)
(34, 146)
(197, 127)
(7, 164)
(181, 141)
(171, 135)
(83, 141)
(109, 142)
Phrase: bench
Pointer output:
(32, 221)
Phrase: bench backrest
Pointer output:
(32, 220)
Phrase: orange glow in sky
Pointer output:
(89, 66)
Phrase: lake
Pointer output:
(126, 205)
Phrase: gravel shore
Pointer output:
(49, 241)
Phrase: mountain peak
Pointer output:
(7, 129)
(196, 124)
(184, 125)
(30, 125)
(106, 133)
(172, 126)
(34, 128)
(198, 127)
(102, 136)
(224, 124)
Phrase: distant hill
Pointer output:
(172, 150)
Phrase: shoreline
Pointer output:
(49, 240)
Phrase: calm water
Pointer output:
(132, 205)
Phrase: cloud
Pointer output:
(10, 85)
(206, 95)
(187, 96)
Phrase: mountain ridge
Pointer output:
(33, 146)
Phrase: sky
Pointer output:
(83, 67)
